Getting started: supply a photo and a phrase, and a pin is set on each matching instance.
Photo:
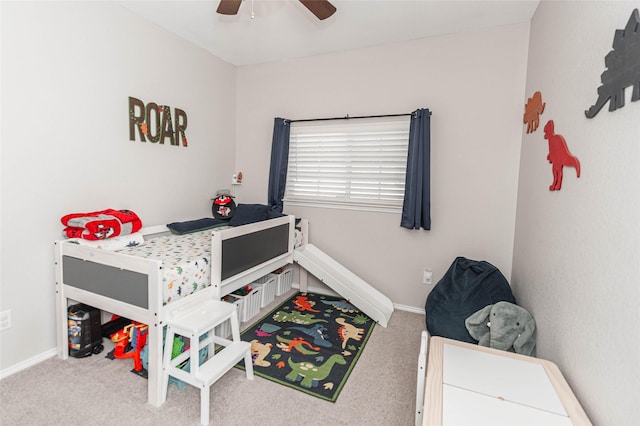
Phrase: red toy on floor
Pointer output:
(135, 333)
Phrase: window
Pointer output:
(353, 164)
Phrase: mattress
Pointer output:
(185, 262)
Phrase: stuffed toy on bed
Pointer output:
(101, 225)
(504, 326)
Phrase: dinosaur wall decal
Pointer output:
(559, 156)
(623, 68)
(532, 111)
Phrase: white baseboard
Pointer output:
(28, 363)
(411, 309)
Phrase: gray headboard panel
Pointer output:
(249, 250)
(120, 284)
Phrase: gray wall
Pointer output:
(473, 83)
(577, 251)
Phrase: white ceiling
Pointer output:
(285, 29)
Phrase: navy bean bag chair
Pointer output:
(467, 287)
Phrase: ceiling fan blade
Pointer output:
(321, 8)
(228, 7)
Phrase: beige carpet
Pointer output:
(380, 391)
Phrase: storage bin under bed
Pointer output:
(224, 329)
(284, 281)
(250, 303)
(268, 285)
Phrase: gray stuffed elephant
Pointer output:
(504, 326)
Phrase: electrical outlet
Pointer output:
(427, 277)
(5, 320)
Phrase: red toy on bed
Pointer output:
(101, 225)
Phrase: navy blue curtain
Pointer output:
(416, 208)
(279, 163)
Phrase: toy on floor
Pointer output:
(179, 346)
(504, 326)
(136, 334)
(85, 336)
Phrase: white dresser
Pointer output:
(473, 385)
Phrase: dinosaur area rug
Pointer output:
(310, 342)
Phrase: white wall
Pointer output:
(577, 250)
(473, 83)
(68, 69)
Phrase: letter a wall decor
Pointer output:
(623, 68)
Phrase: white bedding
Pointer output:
(185, 258)
(116, 243)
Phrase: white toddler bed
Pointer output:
(143, 283)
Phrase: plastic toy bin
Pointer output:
(268, 284)
(284, 280)
(250, 302)
(224, 329)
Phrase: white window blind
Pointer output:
(356, 164)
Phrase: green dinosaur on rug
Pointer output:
(309, 374)
(296, 317)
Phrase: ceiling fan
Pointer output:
(321, 8)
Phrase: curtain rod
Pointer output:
(347, 117)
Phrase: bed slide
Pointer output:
(347, 284)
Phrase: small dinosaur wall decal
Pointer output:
(559, 156)
(532, 111)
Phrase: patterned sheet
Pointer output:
(185, 259)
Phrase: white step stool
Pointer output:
(195, 321)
